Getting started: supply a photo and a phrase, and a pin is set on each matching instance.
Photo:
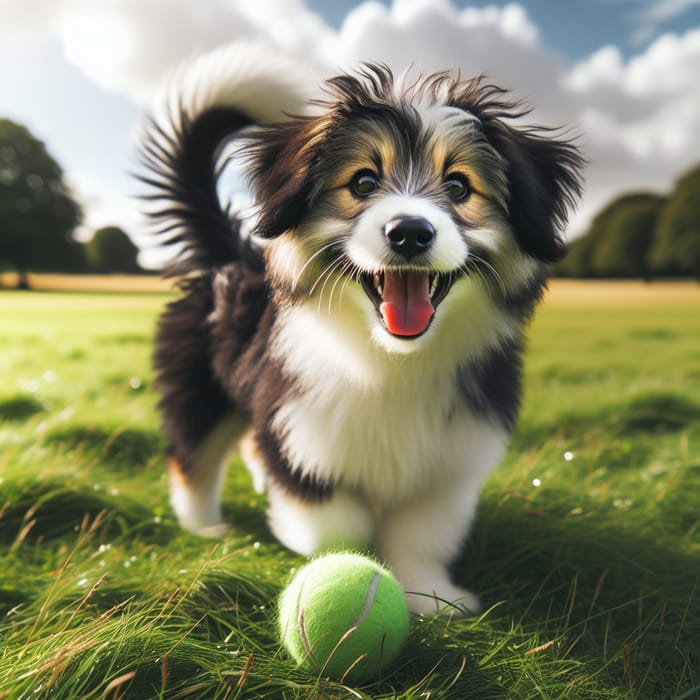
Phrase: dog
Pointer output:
(362, 338)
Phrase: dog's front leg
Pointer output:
(309, 527)
(420, 538)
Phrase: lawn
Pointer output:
(586, 549)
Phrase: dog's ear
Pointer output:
(282, 156)
(545, 181)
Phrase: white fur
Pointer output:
(198, 509)
(393, 431)
(388, 441)
(343, 521)
(417, 538)
(384, 421)
(252, 77)
(420, 537)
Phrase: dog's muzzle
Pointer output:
(407, 293)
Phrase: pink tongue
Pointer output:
(406, 306)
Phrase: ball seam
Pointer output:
(301, 629)
(369, 600)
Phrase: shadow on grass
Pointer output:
(125, 339)
(19, 408)
(125, 448)
(11, 598)
(657, 413)
(591, 590)
(51, 510)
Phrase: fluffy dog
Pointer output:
(364, 342)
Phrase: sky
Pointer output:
(622, 75)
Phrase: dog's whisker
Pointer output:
(352, 276)
(478, 274)
(311, 258)
(343, 275)
(331, 273)
(326, 275)
(323, 275)
(338, 278)
(480, 265)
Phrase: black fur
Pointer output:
(192, 401)
(543, 182)
(544, 173)
(493, 385)
(181, 176)
(240, 330)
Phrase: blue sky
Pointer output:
(576, 28)
(622, 73)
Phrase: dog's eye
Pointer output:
(457, 186)
(363, 183)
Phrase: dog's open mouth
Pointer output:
(406, 299)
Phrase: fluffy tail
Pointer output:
(204, 104)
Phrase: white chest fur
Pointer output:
(385, 426)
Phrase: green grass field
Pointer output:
(586, 549)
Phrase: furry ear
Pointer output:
(281, 157)
(545, 181)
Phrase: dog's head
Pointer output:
(403, 200)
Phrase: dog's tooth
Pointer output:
(433, 284)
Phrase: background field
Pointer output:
(586, 548)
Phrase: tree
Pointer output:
(622, 249)
(111, 251)
(618, 241)
(675, 249)
(37, 211)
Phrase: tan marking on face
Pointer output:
(468, 164)
(372, 151)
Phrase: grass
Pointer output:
(586, 547)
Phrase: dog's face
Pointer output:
(402, 203)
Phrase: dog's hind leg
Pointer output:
(195, 487)
(198, 417)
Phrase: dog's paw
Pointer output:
(440, 596)
(449, 600)
(213, 532)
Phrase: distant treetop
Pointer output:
(642, 235)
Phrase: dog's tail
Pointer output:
(204, 105)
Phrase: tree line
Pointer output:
(39, 214)
(642, 235)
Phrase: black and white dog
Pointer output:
(364, 342)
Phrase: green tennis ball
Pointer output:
(344, 616)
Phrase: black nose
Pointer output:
(409, 235)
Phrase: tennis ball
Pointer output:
(343, 615)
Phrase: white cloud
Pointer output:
(435, 36)
(657, 13)
(126, 46)
(604, 67)
(640, 119)
(665, 10)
